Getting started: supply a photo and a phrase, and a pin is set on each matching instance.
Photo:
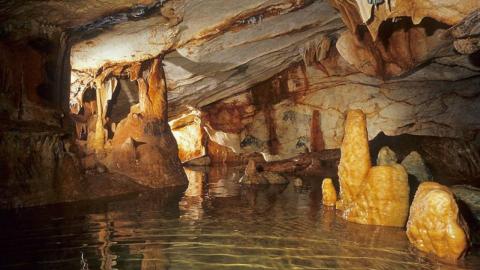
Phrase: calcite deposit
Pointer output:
(369, 195)
(355, 158)
(329, 194)
(435, 225)
(143, 146)
(383, 198)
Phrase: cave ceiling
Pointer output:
(214, 49)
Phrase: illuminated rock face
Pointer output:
(369, 195)
(355, 158)
(435, 225)
(383, 198)
(329, 195)
(189, 134)
(359, 11)
(143, 146)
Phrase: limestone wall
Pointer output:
(445, 107)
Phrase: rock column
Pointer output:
(143, 146)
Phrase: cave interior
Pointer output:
(201, 134)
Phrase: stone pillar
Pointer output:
(143, 146)
(355, 161)
(99, 140)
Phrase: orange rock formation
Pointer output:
(369, 195)
(435, 225)
(143, 146)
(329, 195)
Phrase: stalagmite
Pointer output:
(383, 198)
(355, 157)
(369, 195)
(435, 226)
(329, 195)
(153, 160)
(99, 139)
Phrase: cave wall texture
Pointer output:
(262, 79)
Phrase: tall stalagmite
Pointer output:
(355, 160)
(143, 146)
(369, 195)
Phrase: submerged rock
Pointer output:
(386, 156)
(415, 165)
(274, 178)
(297, 182)
(253, 176)
(435, 225)
(329, 195)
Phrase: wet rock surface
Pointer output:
(435, 225)
(369, 195)
(255, 175)
(329, 194)
(143, 146)
(37, 168)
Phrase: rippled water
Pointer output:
(215, 224)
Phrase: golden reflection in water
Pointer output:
(104, 235)
(223, 181)
(191, 204)
(215, 224)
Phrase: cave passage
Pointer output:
(195, 134)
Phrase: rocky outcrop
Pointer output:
(143, 146)
(415, 165)
(471, 197)
(402, 48)
(435, 225)
(466, 34)
(359, 12)
(37, 167)
(190, 136)
(369, 195)
(255, 175)
(386, 156)
(434, 101)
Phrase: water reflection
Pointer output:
(214, 224)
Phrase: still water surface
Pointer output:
(215, 224)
